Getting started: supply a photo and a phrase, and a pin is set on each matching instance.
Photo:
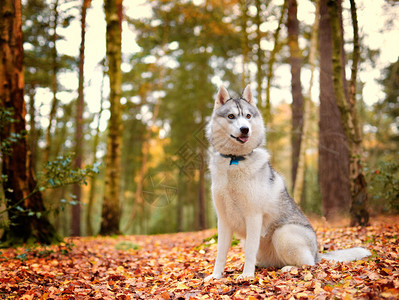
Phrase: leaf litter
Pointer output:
(173, 266)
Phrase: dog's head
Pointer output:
(236, 126)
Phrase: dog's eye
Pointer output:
(231, 116)
(249, 116)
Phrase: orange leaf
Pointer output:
(165, 295)
(328, 288)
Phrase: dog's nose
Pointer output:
(244, 130)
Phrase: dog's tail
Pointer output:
(346, 254)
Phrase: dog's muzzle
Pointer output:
(242, 139)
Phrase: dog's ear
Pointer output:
(222, 96)
(247, 95)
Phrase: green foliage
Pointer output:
(56, 174)
(6, 118)
(311, 203)
(182, 46)
(59, 173)
(38, 29)
(213, 239)
(391, 88)
(384, 185)
(37, 50)
(40, 251)
(127, 246)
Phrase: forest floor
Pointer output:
(172, 266)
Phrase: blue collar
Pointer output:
(234, 158)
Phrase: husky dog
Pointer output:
(251, 198)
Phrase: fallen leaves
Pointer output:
(173, 267)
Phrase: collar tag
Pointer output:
(234, 161)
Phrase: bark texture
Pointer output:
(333, 144)
(296, 88)
(358, 184)
(111, 204)
(20, 188)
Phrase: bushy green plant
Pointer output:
(55, 173)
(384, 185)
(59, 173)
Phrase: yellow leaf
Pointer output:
(120, 269)
(182, 286)
(302, 295)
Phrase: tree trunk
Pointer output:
(244, 43)
(272, 59)
(111, 204)
(54, 83)
(201, 190)
(180, 201)
(33, 132)
(77, 191)
(358, 184)
(296, 88)
(90, 202)
(259, 53)
(333, 144)
(20, 188)
(138, 198)
(300, 172)
(358, 210)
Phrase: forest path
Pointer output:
(172, 266)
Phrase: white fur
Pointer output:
(251, 199)
(346, 254)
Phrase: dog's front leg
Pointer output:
(253, 228)
(225, 235)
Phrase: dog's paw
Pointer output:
(246, 276)
(212, 276)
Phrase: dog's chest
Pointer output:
(234, 193)
(243, 190)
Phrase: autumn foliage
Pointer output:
(173, 266)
